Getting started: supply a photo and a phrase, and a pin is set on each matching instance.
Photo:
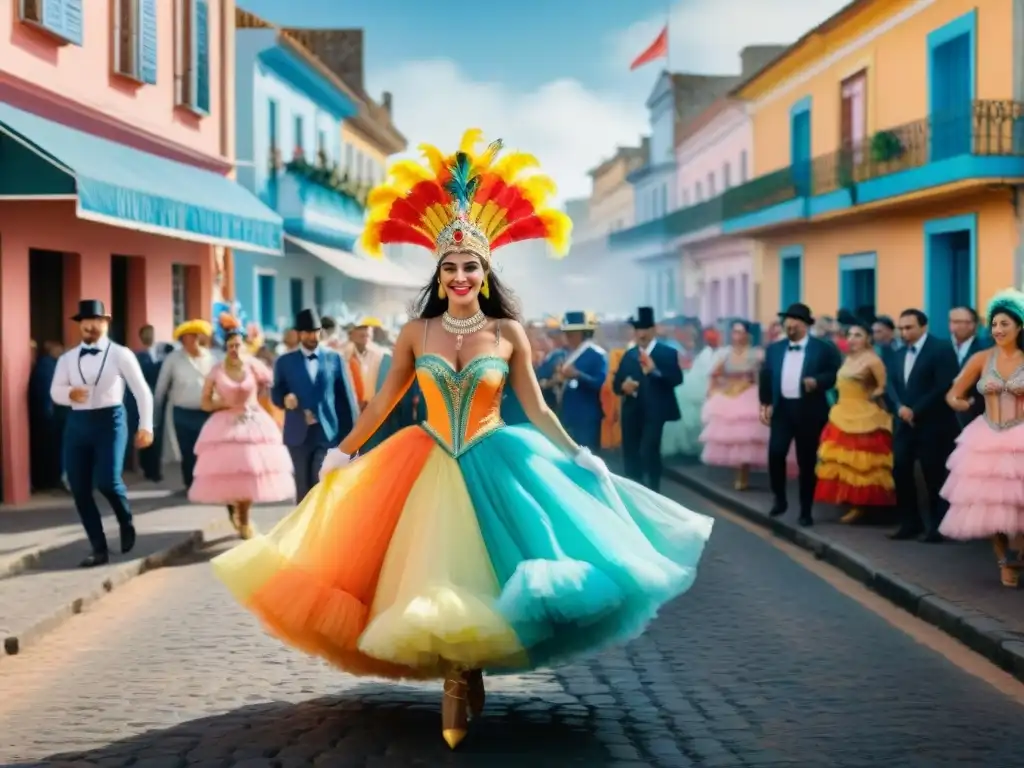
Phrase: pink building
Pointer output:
(116, 151)
(713, 155)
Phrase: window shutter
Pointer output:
(147, 41)
(53, 16)
(202, 55)
(72, 27)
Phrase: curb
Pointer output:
(121, 575)
(12, 566)
(979, 632)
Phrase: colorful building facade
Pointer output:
(290, 109)
(116, 156)
(888, 150)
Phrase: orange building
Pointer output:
(888, 150)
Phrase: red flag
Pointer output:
(656, 50)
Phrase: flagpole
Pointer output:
(668, 38)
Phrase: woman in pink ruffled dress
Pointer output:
(733, 434)
(985, 488)
(240, 455)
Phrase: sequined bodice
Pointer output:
(463, 407)
(1004, 398)
(745, 368)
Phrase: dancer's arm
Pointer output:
(209, 402)
(967, 378)
(878, 372)
(398, 381)
(527, 388)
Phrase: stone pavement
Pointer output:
(42, 543)
(954, 585)
(761, 664)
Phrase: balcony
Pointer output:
(676, 224)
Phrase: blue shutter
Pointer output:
(53, 16)
(147, 41)
(72, 20)
(202, 55)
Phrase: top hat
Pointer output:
(91, 309)
(578, 321)
(308, 320)
(799, 312)
(644, 319)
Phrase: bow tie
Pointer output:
(795, 348)
(911, 350)
(312, 356)
(88, 351)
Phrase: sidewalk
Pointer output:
(954, 586)
(41, 544)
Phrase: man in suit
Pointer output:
(46, 419)
(646, 381)
(312, 384)
(547, 368)
(797, 374)
(151, 357)
(583, 372)
(925, 425)
(963, 330)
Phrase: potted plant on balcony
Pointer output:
(886, 146)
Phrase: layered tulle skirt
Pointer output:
(855, 456)
(240, 456)
(733, 435)
(985, 487)
(506, 558)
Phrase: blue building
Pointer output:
(289, 109)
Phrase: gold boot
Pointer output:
(245, 527)
(454, 717)
(476, 695)
(853, 516)
(742, 479)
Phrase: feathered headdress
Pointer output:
(465, 202)
(1010, 300)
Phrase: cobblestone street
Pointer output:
(763, 663)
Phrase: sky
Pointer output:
(550, 77)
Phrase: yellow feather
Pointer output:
(406, 174)
(470, 139)
(511, 165)
(487, 216)
(370, 240)
(497, 225)
(474, 212)
(559, 228)
(383, 195)
(538, 188)
(437, 217)
(434, 158)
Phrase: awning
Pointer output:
(127, 187)
(377, 271)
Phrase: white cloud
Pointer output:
(568, 128)
(706, 35)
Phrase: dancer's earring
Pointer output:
(485, 288)
(441, 293)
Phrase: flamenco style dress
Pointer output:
(985, 487)
(855, 456)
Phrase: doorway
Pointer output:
(949, 273)
(119, 298)
(46, 296)
(857, 283)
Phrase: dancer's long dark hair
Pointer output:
(500, 305)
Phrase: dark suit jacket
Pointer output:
(329, 397)
(655, 401)
(925, 393)
(821, 362)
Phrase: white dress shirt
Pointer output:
(913, 351)
(104, 374)
(793, 368)
(182, 378)
(312, 365)
(961, 350)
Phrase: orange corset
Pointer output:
(463, 407)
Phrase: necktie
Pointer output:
(88, 351)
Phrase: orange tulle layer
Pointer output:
(838, 492)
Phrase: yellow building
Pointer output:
(888, 146)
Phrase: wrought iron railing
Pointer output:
(989, 128)
(761, 192)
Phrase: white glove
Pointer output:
(585, 458)
(334, 459)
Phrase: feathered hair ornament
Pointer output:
(467, 201)
(1010, 301)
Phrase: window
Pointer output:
(266, 288)
(686, 198)
(272, 125)
(359, 166)
(726, 176)
(135, 39)
(744, 310)
(321, 144)
(664, 199)
(296, 291)
(711, 184)
(192, 55)
(60, 18)
(349, 168)
(743, 166)
(179, 293)
(853, 117)
(298, 129)
(318, 294)
(699, 193)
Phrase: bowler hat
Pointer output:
(799, 312)
(307, 320)
(644, 319)
(578, 321)
(91, 309)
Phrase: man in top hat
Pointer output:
(797, 375)
(646, 380)
(90, 379)
(583, 372)
(312, 384)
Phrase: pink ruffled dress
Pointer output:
(240, 455)
(733, 434)
(985, 487)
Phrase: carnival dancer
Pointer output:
(582, 374)
(240, 455)
(646, 380)
(855, 456)
(797, 375)
(90, 378)
(464, 545)
(985, 488)
(311, 383)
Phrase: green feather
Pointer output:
(463, 184)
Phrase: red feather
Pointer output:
(521, 209)
(426, 194)
(394, 231)
(524, 229)
(402, 210)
